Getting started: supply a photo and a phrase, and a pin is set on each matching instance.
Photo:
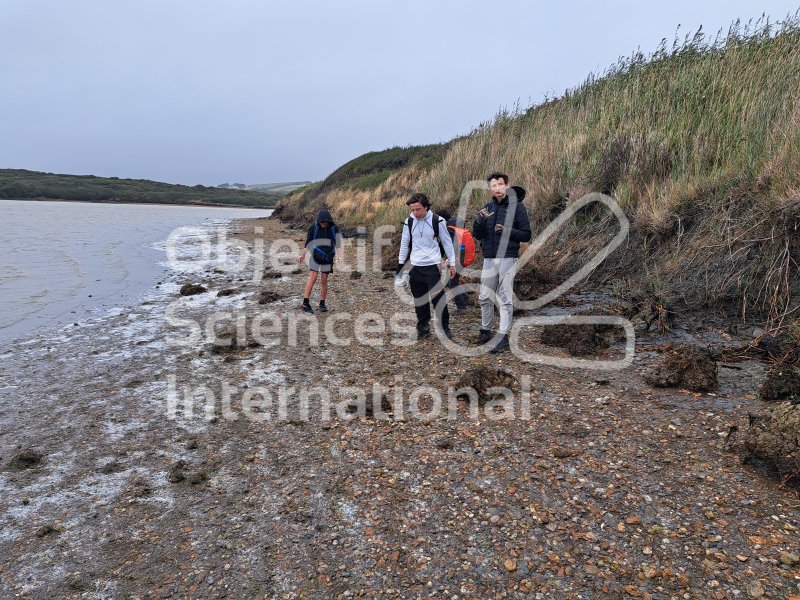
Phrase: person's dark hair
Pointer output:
(419, 197)
(444, 213)
(498, 175)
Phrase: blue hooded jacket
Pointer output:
(322, 241)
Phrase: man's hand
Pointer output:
(301, 257)
(452, 272)
(498, 228)
(484, 214)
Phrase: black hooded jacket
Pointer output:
(513, 215)
(322, 241)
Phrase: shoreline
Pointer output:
(610, 487)
(186, 204)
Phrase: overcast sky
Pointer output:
(213, 91)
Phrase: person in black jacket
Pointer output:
(500, 226)
(321, 241)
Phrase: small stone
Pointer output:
(443, 443)
(632, 520)
(559, 452)
(510, 565)
(176, 473)
(754, 591)
(46, 530)
(788, 559)
(198, 476)
(649, 571)
(494, 519)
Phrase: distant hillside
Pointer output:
(352, 188)
(32, 185)
(699, 144)
(278, 188)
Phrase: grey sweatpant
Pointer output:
(497, 277)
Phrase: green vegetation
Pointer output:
(373, 168)
(20, 184)
(364, 174)
(699, 143)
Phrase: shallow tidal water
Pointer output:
(63, 261)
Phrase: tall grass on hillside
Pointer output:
(700, 145)
(698, 142)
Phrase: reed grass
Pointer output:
(698, 142)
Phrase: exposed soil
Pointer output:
(774, 438)
(683, 365)
(782, 383)
(600, 487)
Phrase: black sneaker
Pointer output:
(447, 333)
(484, 335)
(307, 308)
(501, 345)
(322, 307)
(423, 333)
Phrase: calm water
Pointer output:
(60, 261)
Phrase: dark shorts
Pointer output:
(320, 268)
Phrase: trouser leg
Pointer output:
(440, 303)
(459, 299)
(417, 281)
(505, 292)
(489, 280)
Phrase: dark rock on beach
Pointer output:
(190, 289)
(25, 459)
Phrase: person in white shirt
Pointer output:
(422, 244)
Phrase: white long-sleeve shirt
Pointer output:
(425, 249)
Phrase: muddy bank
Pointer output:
(585, 484)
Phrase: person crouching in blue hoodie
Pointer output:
(321, 241)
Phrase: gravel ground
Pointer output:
(598, 487)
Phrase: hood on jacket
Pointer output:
(324, 217)
(520, 192)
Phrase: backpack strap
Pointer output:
(436, 219)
